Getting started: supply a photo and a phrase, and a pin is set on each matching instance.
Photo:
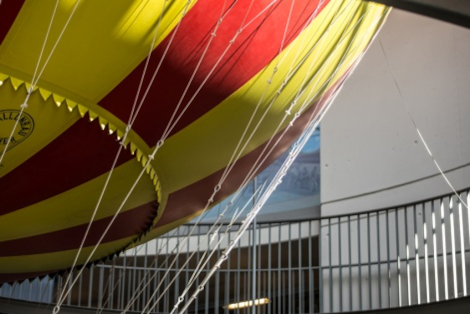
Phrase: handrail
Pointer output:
(402, 256)
(387, 208)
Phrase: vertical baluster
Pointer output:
(299, 249)
(311, 295)
(320, 263)
(462, 250)
(227, 296)
(100, 289)
(269, 268)
(426, 253)
(359, 260)
(444, 250)
(397, 233)
(290, 305)
(407, 246)
(434, 242)
(340, 267)
(260, 268)
(379, 273)
(418, 282)
(452, 238)
(369, 261)
(330, 265)
(389, 275)
(206, 289)
(349, 264)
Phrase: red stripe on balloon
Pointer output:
(130, 223)
(254, 48)
(81, 153)
(8, 13)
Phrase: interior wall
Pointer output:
(371, 155)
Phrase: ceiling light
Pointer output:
(244, 304)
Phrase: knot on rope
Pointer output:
(24, 106)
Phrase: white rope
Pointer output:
(139, 289)
(211, 198)
(200, 264)
(256, 208)
(168, 128)
(113, 166)
(132, 119)
(236, 156)
(180, 299)
(428, 150)
(200, 269)
(257, 164)
(33, 80)
(231, 42)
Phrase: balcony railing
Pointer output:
(408, 255)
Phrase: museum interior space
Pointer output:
(367, 212)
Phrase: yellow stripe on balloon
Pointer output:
(222, 127)
(71, 208)
(59, 260)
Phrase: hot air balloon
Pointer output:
(191, 94)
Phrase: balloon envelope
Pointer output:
(174, 87)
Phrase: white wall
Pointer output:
(368, 142)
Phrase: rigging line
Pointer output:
(172, 37)
(62, 299)
(289, 74)
(222, 16)
(324, 109)
(306, 134)
(166, 132)
(140, 290)
(355, 29)
(247, 176)
(116, 158)
(179, 244)
(201, 264)
(405, 104)
(231, 42)
(242, 229)
(161, 61)
(55, 45)
(147, 61)
(210, 201)
(180, 299)
(378, 23)
(57, 308)
(300, 92)
(217, 188)
(137, 249)
(30, 90)
(233, 158)
(228, 207)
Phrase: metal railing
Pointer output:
(412, 254)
